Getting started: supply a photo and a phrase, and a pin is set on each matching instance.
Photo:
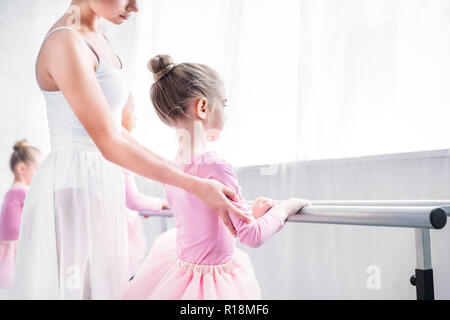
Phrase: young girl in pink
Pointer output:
(136, 201)
(24, 163)
(199, 259)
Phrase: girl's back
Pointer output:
(202, 237)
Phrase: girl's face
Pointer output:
(26, 172)
(29, 172)
(216, 118)
(115, 11)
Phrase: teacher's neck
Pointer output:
(89, 20)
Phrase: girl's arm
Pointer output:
(261, 229)
(12, 211)
(258, 230)
(137, 201)
(72, 66)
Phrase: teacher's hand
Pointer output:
(217, 197)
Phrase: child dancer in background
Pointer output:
(198, 259)
(136, 202)
(24, 163)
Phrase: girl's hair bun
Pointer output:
(20, 144)
(160, 66)
(23, 152)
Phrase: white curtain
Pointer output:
(374, 77)
(257, 57)
(309, 79)
(306, 79)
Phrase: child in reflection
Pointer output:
(24, 162)
(135, 201)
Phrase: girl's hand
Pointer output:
(285, 209)
(217, 197)
(261, 206)
(165, 204)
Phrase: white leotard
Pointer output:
(62, 121)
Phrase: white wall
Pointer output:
(324, 261)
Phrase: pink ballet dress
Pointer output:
(9, 232)
(199, 260)
(137, 202)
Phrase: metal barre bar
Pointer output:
(420, 215)
(444, 204)
(430, 217)
(378, 216)
(388, 203)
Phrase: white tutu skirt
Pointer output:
(73, 238)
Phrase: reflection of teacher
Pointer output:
(73, 242)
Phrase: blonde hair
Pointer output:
(177, 85)
(23, 152)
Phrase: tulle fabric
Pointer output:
(8, 252)
(163, 276)
(73, 241)
(137, 243)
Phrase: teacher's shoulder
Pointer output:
(64, 48)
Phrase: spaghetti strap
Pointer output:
(79, 35)
(107, 39)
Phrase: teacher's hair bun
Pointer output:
(160, 66)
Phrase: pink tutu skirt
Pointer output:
(137, 243)
(7, 261)
(163, 276)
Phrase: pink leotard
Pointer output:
(202, 237)
(12, 212)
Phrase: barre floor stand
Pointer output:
(423, 279)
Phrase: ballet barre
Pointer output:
(445, 204)
(420, 215)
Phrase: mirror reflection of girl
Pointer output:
(199, 259)
(24, 162)
(136, 201)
